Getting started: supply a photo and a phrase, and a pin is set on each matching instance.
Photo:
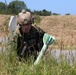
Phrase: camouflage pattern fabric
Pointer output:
(17, 39)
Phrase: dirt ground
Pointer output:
(63, 28)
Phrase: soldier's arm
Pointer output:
(40, 36)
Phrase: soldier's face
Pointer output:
(26, 28)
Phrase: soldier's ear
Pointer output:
(32, 19)
(19, 25)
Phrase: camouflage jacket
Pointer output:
(18, 39)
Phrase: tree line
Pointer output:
(16, 6)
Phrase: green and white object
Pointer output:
(47, 40)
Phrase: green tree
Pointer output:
(55, 14)
(2, 7)
(42, 12)
(46, 13)
(67, 14)
(16, 6)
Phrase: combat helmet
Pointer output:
(25, 17)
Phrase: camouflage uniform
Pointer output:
(26, 45)
(19, 39)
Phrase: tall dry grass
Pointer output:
(63, 28)
(10, 65)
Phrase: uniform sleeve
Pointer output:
(40, 31)
(40, 36)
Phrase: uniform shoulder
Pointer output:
(34, 29)
(40, 30)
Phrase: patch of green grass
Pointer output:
(10, 65)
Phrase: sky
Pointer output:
(55, 6)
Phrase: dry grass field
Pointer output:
(62, 27)
(4, 19)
